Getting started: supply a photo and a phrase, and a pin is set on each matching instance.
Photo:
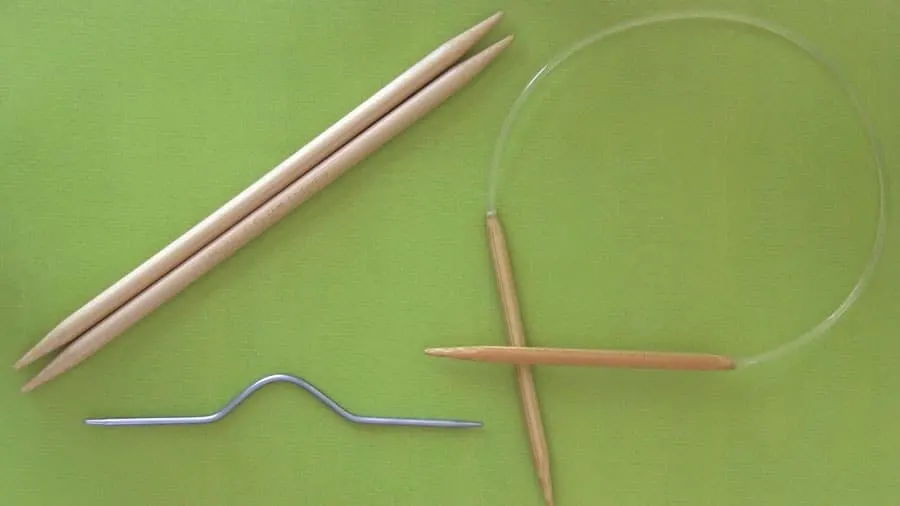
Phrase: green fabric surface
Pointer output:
(693, 187)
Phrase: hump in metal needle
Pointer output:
(286, 378)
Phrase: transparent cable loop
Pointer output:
(868, 271)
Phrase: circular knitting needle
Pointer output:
(276, 378)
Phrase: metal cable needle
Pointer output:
(275, 378)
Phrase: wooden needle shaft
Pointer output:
(587, 357)
(236, 209)
(269, 213)
(516, 336)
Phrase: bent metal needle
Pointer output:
(286, 378)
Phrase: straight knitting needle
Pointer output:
(260, 191)
(268, 214)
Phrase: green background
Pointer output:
(691, 187)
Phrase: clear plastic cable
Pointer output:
(868, 271)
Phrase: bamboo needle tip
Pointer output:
(505, 41)
(460, 353)
(50, 343)
(492, 20)
(32, 355)
(46, 374)
(470, 37)
(479, 61)
(32, 384)
(483, 27)
(438, 352)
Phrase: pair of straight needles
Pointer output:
(388, 112)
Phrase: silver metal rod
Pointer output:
(276, 378)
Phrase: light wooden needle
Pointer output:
(516, 336)
(268, 214)
(260, 191)
(586, 357)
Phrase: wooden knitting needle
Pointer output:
(269, 213)
(259, 192)
(591, 358)
(515, 331)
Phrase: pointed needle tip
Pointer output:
(489, 23)
(27, 359)
(34, 382)
(503, 43)
(493, 17)
(436, 352)
(465, 40)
